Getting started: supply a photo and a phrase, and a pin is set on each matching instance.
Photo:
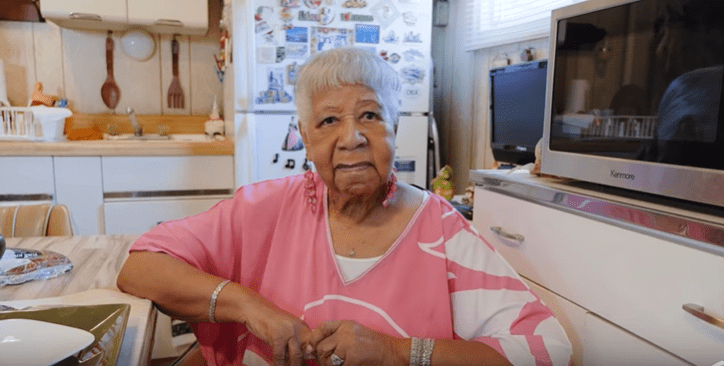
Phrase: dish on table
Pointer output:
(33, 342)
(106, 324)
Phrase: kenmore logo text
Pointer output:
(618, 175)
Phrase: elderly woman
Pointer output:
(344, 265)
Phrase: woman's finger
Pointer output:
(323, 331)
(294, 350)
(279, 350)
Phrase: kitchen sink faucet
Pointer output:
(137, 128)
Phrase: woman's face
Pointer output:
(351, 146)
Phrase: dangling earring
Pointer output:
(310, 190)
(391, 189)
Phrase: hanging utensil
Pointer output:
(175, 93)
(109, 91)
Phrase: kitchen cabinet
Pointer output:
(26, 178)
(607, 344)
(140, 192)
(574, 243)
(79, 186)
(158, 16)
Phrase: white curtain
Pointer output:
(497, 22)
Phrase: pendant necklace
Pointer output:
(351, 253)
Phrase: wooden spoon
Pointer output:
(109, 91)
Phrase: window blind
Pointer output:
(497, 22)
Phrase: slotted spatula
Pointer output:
(175, 93)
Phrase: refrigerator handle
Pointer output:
(435, 142)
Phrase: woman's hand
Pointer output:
(355, 344)
(283, 331)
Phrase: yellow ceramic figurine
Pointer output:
(441, 185)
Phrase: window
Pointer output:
(497, 22)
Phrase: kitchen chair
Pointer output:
(44, 219)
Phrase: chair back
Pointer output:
(44, 219)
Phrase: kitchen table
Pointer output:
(97, 260)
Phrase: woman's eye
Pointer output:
(370, 116)
(327, 121)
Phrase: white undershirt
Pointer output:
(353, 267)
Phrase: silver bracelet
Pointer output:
(421, 351)
(214, 295)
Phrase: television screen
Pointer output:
(517, 111)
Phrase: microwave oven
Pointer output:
(634, 97)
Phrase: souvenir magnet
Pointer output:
(385, 12)
(367, 33)
(323, 38)
(412, 74)
(326, 15)
(297, 51)
(354, 4)
(391, 37)
(409, 18)
(411, 91)
(312, 4)
(413, 55)
(297, 34)
(289, 3)
(412, 38)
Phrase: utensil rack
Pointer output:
(17, 123)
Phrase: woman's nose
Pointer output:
(351, 136)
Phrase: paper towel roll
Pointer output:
(577, 96)
(3, 86)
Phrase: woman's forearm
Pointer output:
(179, 289)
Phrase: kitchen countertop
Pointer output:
(115, 148)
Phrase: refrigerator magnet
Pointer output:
(266, 55)
(411, 37)
(349, 17)
(292, 72)
(412, 74)
(413, 55)
(290, 3)
(297, 51)
(323, 38)
(356, 4)
(409, 18)
(326, 15)
(367, 33)
(297, 34)
(391, 37)
(385, 12)
(313, 4)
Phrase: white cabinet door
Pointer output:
(607, 344)
(85, 13)
(79, 186)
(571, 316)
(137, 217)
(26, 176)
(167, 173)
(635, 280)
(188, 16)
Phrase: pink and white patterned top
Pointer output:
(440, 279)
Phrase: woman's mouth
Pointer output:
(353, 167)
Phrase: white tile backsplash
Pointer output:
(72, 64)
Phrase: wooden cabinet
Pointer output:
(139, 216)
(158, 16)
(628, 276)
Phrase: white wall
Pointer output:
(461, 98)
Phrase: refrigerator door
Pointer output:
(278, 147)
(277, 36)
(411, 153)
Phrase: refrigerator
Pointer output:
(271, 38)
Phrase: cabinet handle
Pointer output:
(502, 233)
(169, 22)
(85, 16)
(699, 312)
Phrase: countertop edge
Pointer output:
(691, 228)
(115, 148)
